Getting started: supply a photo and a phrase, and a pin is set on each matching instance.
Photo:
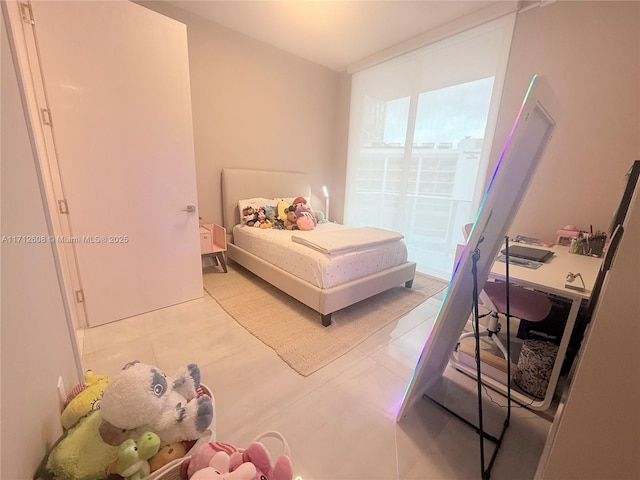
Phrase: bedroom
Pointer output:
(595, 141)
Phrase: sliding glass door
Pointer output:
(420, 134)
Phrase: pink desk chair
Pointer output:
(524, 304)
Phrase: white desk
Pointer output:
(549, 278)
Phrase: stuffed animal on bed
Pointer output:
(320, 216)
(270, 213)
(291, 221)
(305, 217)
(249, 216)
(263, 220)
(143, 398)
(281, 210)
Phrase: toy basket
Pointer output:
(174, 470)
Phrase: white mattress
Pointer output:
(320, 269)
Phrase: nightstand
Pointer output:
(213, 242)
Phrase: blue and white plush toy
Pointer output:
(142, 398)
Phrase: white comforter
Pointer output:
(335, 242)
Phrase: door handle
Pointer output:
(190, 209)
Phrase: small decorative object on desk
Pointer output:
(566, 234)
(591, 244)
(571, 277)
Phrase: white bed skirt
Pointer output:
(329, 300)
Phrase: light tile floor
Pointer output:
(340, 421)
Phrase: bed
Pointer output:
(324, 280)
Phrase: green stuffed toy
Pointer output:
(320, 216)
(79, 454)
(132, 462)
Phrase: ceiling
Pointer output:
(332, 33)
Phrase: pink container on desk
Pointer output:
(566, 234)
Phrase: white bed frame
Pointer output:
(238, 184)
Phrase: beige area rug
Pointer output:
(294, 331)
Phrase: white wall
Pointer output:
(254, 106)
(590, 52)
(35, 342)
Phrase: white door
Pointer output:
(116, 77)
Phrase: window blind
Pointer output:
(420, 132)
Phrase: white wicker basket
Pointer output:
(173, 471)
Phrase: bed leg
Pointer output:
(408, 284)
(326, 319)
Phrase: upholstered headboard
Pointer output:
(240, 184)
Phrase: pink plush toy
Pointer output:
(305, 218)
(203, 455)
(258, 455)
(305, 223)
(218, 469)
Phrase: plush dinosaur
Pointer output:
(132, 462)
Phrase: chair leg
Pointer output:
(498, 342)
(491, 331)
(484, 333)
(493, 328)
